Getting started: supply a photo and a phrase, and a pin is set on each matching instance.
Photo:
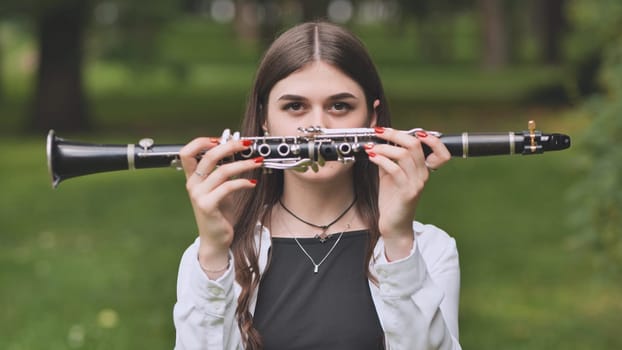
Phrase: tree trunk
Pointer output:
(552, 27)
(1, 67)
(495, 48)
(246, 21)
(59, 100)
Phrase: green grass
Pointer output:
(67, 255)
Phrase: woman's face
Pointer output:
(316, 95)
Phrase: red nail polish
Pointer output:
(371, 154)
(253, 181)
(247, 143)
(369, 145)
(421, 134)
(379, 129)
(258, 160)
(214, 140)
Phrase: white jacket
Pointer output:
(416, 297)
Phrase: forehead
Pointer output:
(316, 80)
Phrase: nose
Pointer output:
(318, 117)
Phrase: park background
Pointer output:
(92, 264)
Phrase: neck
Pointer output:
(317, 202)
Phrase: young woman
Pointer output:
(316, 260)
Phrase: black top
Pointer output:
(331, 309)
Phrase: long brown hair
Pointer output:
(291, 51)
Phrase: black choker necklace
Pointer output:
(323, 227)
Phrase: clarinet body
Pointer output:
(308, 150)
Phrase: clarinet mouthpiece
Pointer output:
(555, 142)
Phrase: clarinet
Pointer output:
(310, 149)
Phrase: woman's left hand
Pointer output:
(403, 172)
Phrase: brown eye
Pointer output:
(293, 106)
(341, 107)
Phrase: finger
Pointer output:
(411, 145)
(229, 171)
(212, 200)
(188, 154)
(384, 163)
(399, 156)
(440, 154)
(211, 159)
(404, 187)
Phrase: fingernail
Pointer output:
(369, 145)
(247, 143)
(214, 140)
(421, 134)
(371, 154)
(379, 129)
(253, 181)
(258, 160)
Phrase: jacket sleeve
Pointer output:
(204, 311)
(419, 295)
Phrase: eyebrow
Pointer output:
(339, 96)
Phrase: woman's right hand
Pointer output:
(210, 187)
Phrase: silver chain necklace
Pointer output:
(316, 266)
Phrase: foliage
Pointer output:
(594, 24)
(597, 198)
(128, 30)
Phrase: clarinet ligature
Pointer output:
(308, 150)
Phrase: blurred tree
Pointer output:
(1, 64)
(597, 199)
(433, 22)
(131, 33)
(272, 20)
(507, 27)
(246, 20)
(552, 23)
(313, 10)
(522, 20)
(59, 99)
(495, 34)
(257, 21)
(593, 27)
